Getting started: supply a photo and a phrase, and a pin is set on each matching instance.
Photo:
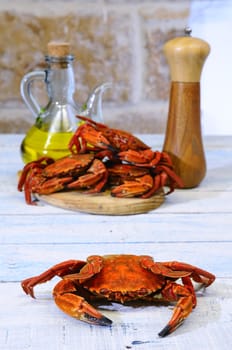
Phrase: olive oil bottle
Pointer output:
(39, 143)
(56, 123)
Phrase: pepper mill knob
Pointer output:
(183, 139)
(188, 31)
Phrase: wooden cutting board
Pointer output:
(102, 203)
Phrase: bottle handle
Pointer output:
(25, 89)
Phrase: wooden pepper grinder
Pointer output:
(183, 140)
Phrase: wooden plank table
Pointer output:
(192, 225)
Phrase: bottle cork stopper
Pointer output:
(58, 49)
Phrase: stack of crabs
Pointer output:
(101, 158)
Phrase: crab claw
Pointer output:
(89, 315)
(76, 306)
(186, 301)
(165, 331)
(136, 187)
(168, 329)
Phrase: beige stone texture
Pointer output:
(100, 54)
(161, 25)
(118, 41)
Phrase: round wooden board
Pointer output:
(102, 203)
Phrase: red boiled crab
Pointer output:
(159, 173)
(92, 136)
(122, 278)
(46, 176)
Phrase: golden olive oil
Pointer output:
(39, 143)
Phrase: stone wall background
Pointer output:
(113, 40)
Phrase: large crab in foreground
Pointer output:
(122, 278)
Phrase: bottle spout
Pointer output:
(93, 106)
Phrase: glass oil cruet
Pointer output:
(186, 56)
(56, 122)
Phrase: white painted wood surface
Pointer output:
(192, 225)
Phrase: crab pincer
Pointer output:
(76, 306)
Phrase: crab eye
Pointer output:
(104, 291)
(142, 291)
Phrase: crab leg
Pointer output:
(141, 158)
(62, 269)
(197, 274)
(76, 306)
(87, 138)
(186, 302)
(40, 164)
(155, 187)
(96, 175)
(133, 188)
